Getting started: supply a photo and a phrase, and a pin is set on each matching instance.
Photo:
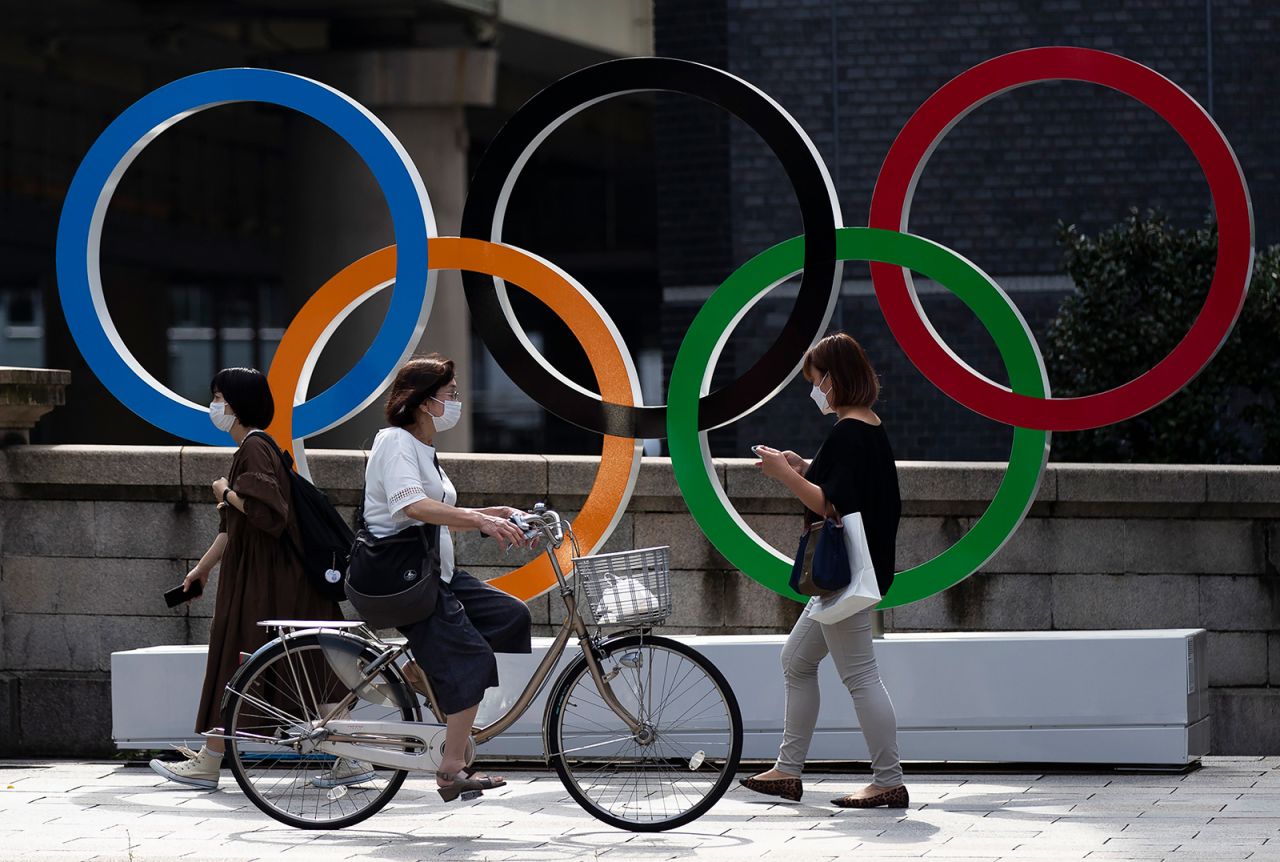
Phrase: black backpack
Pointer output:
(326, 538)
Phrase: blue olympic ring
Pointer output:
(83, 213)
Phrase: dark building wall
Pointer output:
(995, 188)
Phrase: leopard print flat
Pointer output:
(788, 788)
(894, 797)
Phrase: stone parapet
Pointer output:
(91, 535)
(26, 394)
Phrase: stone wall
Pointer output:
(91, 535)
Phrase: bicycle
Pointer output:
(644, 731)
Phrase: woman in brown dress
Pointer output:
(260, 577)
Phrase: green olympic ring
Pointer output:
(710, 330)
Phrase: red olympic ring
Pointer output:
(891, 208)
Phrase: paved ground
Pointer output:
(1228, 810)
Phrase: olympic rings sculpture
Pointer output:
(617, 411)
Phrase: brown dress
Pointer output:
(260, 578)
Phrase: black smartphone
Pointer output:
(177, 595)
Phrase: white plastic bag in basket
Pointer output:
(623, 599)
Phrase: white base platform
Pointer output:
(1105, 697)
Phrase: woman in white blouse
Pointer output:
(404, 484)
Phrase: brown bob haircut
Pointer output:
(853, 381)
(420, 378)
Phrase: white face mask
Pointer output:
(452, 413)
(820, 398)
(221, 418)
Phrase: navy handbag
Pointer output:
(822, 563)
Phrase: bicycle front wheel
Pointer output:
(677, 765)
(278, 697)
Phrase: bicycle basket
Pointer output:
(628, 587)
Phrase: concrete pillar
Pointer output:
(337, 214)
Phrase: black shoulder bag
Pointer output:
(394, 581)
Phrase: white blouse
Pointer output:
(402, 470)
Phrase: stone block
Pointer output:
(200, 465)
(1129, 483)
(749, 605)
(540, 607)
(66, 642)
(198, 628)
(981, 602)
(8, 714)
(657, 479)
(1239, 603)
(920, 539)
(570, 476)
(49, 528)
(690, 549)
(782, 532)
(79, 465)
(1237, 658)
(1243, 484)
(153, 530)
(514, 480)
(698, 600)
(337, 470)
(960, 481)
(1198, 546)
(76, 585)
(749, 488)
(64, 716)
(1246, 721)
(1062, 545)
(1082, 601)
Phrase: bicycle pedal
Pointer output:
(468, 795)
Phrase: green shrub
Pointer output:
(1140, 285)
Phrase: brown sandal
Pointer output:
(466, 787)
(894, 797)
(788, 788)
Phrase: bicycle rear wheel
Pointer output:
(276, 697)
(685, 755)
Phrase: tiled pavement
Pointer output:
(1228, 810)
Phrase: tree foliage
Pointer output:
(1140, 286)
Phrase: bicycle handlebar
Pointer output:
(543, 522)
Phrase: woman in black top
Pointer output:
(854, 471)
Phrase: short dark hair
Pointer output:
(854, 382)
(419, 379)
(247, 392)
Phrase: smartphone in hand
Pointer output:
(177, 595)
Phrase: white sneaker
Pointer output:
(344, 772)
(199, 770)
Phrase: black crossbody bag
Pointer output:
(394, 581)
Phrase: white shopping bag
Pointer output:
(863, 590)
(623, 599)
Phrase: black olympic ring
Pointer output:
(534, 121)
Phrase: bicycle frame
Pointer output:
(352, 739)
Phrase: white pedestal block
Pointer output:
(1106, 697)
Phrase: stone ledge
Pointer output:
(94, 471)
